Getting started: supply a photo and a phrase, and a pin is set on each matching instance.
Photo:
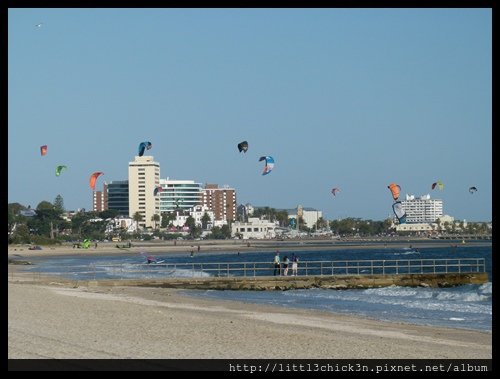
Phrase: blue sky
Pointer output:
(348, 98)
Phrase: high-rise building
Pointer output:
(179, 195)
(143, 178)
(222, 201)
(422, 209)
(118, 196)
(100, 199)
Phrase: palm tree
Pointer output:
(137, 218)
(155, 218)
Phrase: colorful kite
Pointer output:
(472, 190)
(93, 179)
(143, 146)
(59, 170)
(43, 150)
(399, 211)
(269, 164)
(439, 185)
(335, 190)
(395, 190)
(243, 146)
(157, 190)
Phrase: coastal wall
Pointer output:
(286, 283)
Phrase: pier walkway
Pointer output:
(341, 274)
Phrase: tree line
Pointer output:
(48, 226)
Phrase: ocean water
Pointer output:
(464, 307)
(467, 306)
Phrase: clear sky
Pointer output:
(348, 98)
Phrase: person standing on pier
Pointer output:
(276, 263)
(295, 262)
(285, 265)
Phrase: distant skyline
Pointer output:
(347, 98)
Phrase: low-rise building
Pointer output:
(254, 228)
(122, 223)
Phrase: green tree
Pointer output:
(59, 204)
(167, 218)
(387, 224)
(302, 225)
(109, 213)
(438, 222)
(191, 224)
(321, 223)
(137, 218)
(282, 218)
(226, 231)
(220, 233)
(14, 218)
(205, 219)
(461, 226)
(47, 219)
(83, 227)
(346, 226)
(20, 234)
(155, 218)
(446, 226)
(483, 228)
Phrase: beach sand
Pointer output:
(57, 321)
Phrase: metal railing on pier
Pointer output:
(260, 269)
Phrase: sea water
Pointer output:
(466, 306)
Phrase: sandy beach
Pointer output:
(57, 320)
(54, 321)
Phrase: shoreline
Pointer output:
(61, 321)
(224, 246)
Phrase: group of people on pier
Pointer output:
(281, 268)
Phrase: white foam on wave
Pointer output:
(424, 299)
(393, 291)
(486, 288)
(466, 296)
(180, 273)
(408, 253)
(135, 271)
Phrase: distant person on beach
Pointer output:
(192, 254)
(285, 265)
(198, 248)
(295, 263)
(276, 263)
